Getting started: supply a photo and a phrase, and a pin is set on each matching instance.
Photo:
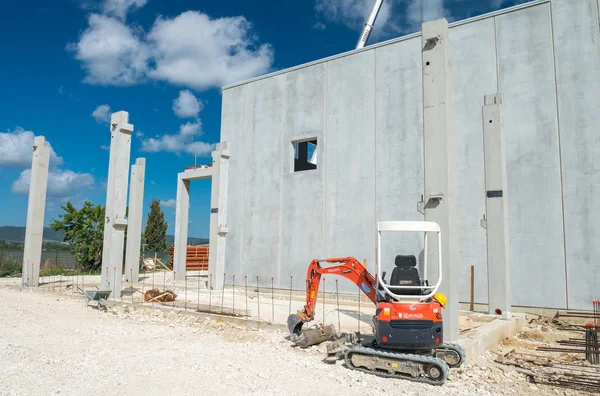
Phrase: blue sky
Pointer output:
(67, 64)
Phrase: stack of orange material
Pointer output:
(171, 253)
(196, 258)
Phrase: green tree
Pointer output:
(155, 235)
(83, 229)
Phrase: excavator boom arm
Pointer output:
(349, 268)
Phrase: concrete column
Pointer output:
(116, 203)
(439, 143)
(218, 214)
(182, 209)
(496, 207)
(36, 206)
(134, 221)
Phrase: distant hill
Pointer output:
(191, 240)
(17, 235)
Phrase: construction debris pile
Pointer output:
(156, 295)
(572, 362)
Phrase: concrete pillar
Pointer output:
(116, 203)
(36, 206)
(496, 207)
(182, 209)
(218, 214)
(439, 143)
(134, 221)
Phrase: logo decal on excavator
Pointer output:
(412, 307)
(365, 288)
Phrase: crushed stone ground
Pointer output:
(51, 345)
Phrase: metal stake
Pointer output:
(323, 301)
(291, 280)
(246, 282)
(131, 282)
(337, 296)
(223, 292)
(272, 303)
(358, 322)
(472, 305)
(210, 292)
(198, 307)
(258, 298)
(233, 295)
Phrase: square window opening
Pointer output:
(305, 155)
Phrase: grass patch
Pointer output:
(10, 267)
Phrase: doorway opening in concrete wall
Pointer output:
(305, 154)
(197, 250)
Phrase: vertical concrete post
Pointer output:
(440, 161)
(182, 209)
(496, 207)
(134, 221)
(116, 203)
(36, 206)
(218, 214)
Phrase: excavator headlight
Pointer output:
(439, 297)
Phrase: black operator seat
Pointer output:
(406, 274)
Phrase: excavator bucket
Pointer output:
(295, 323)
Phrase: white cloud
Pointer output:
(105, 147)
(190, 50)
(319, 26)
(61, 89)
(182, 142)
(102, 114)
(169, 203)
(194, 50)
(16, 149)
(139, 134)
(186, 105)
(353, 13)
(433, 9)
(111, 52)
(61, 183)
(120, 8)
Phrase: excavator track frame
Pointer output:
(451, 350)
(415, 368)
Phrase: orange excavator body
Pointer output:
(412, 325)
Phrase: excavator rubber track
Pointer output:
(416, 368)
(452, 354)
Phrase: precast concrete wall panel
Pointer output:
(474, 76)
(577, 54)
(350, 153)
(262, 178)
(365, 110)
(526, 80)
(399, 136)
(303, 192)
(232, 131)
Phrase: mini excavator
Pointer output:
(408, 339)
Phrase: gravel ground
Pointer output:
(52, 345)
